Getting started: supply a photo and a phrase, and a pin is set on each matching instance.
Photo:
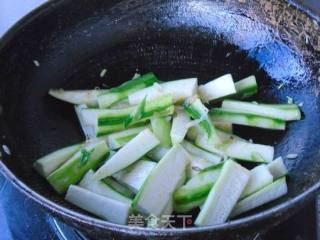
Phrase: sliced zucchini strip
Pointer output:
(179, 89)
(224, 194)
(117, 94)
(135, 175)
(165, 178)
(77, 97)
(260, 177)
(217, 88)
(49, 163)
(101, 206)
(264, 110)
(71, 172)
(277, 168)
(246, 87)
(101, 188)
(247, 119)
(128, 154)
(267, 194)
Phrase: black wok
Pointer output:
(74, 40)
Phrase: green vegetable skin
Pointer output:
(197, 187)
(113, 117)
(264, 110)
(180, 90)
(119, 139)
(101, 131)
(101, 188)
(224, 194)
(119, 93)
(267, 194)
(73, 170)
(196, 110)
(247, 119)
(130, 153)
(123, 190)
(161, 129)
(237, 148)
(47, 164)
(167, 176)
(188, 206)
(201, 153)
(197, 164)
(246, 87)
(106, 129)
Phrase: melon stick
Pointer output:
(161, 128)
(267, 194)
(119, 139)
(106, 208)
(106, 129)
(224, 194)
(77, 97)
(128, 154)
(179, 127)
(196, 165)
(179, 89)
(246, 87)
(101, 188)
(277, 168)
(198, 186)
(264, 110)
(119, 116)
(201, 153)
(88, 130)
(165, 178)
(71, 172)
(197, 111)
(135, 175)
(188, 206)
(157, 153)
(120, 105)
(49, 163)
(163, 220)
(247, 119)
(96, 116)
(121, 92)
(238, 148)
(260, 177)
(116, 186)
(217, 88)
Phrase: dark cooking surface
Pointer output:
(172, 38)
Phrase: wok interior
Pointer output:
(175, 40)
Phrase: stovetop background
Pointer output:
(300, 227)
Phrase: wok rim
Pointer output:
(82, 219)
